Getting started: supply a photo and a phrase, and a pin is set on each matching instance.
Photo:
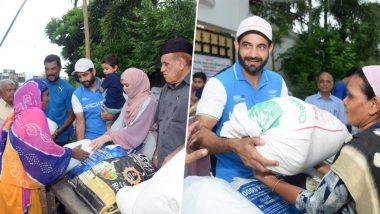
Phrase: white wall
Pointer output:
(225, 14)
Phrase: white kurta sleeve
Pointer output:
(213, 100)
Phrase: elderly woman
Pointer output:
(137, 114)
(353, 184)
(29, 159)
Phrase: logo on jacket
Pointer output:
(238, 98)
(272, 92)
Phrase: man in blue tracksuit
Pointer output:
(87, 102)
(245, 81)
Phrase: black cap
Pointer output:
(176, 45)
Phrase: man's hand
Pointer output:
(192, 132)
(105, 115)
(200, 138)
(195, 155)
(79, 154)
(192, 136)
(246, 149)
(55, 134)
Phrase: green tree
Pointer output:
(133, 30)
(67, 32)
(332, 36)
(321, 50)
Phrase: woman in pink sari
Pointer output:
(29, 159)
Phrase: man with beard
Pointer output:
(245, 81)
(87, 102)
(7, 93)
(59, 107)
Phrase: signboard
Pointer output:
(210, 65)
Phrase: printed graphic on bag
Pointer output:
(263, 197)
(99, 185)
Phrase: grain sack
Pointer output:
(108, 151)
(297, 134)
(263, 197)
(85, 143)
(206, 195)
(98, 185)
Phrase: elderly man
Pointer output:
(7, 92)
(176, 59)
(247, 81)
(325, 100)
(87, 102)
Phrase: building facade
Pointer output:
(11, 74)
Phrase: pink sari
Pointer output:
(29, 159)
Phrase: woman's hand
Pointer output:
(98, 142)
(322, 168)
(265, 177)
(279, 186)
(79, 154)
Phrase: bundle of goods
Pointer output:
(98, 178)
(297, 134)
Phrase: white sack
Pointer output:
(85, 146)
(297, 134)
(206, 195)
(52, 126)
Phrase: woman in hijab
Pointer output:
(137, 115)
(29, 159)
(353, 184)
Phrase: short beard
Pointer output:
(251, 69)
(90, 82)
(55, 78)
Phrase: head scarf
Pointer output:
(372, 73)
(29, 95)
(137, 91)
(39, 160)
